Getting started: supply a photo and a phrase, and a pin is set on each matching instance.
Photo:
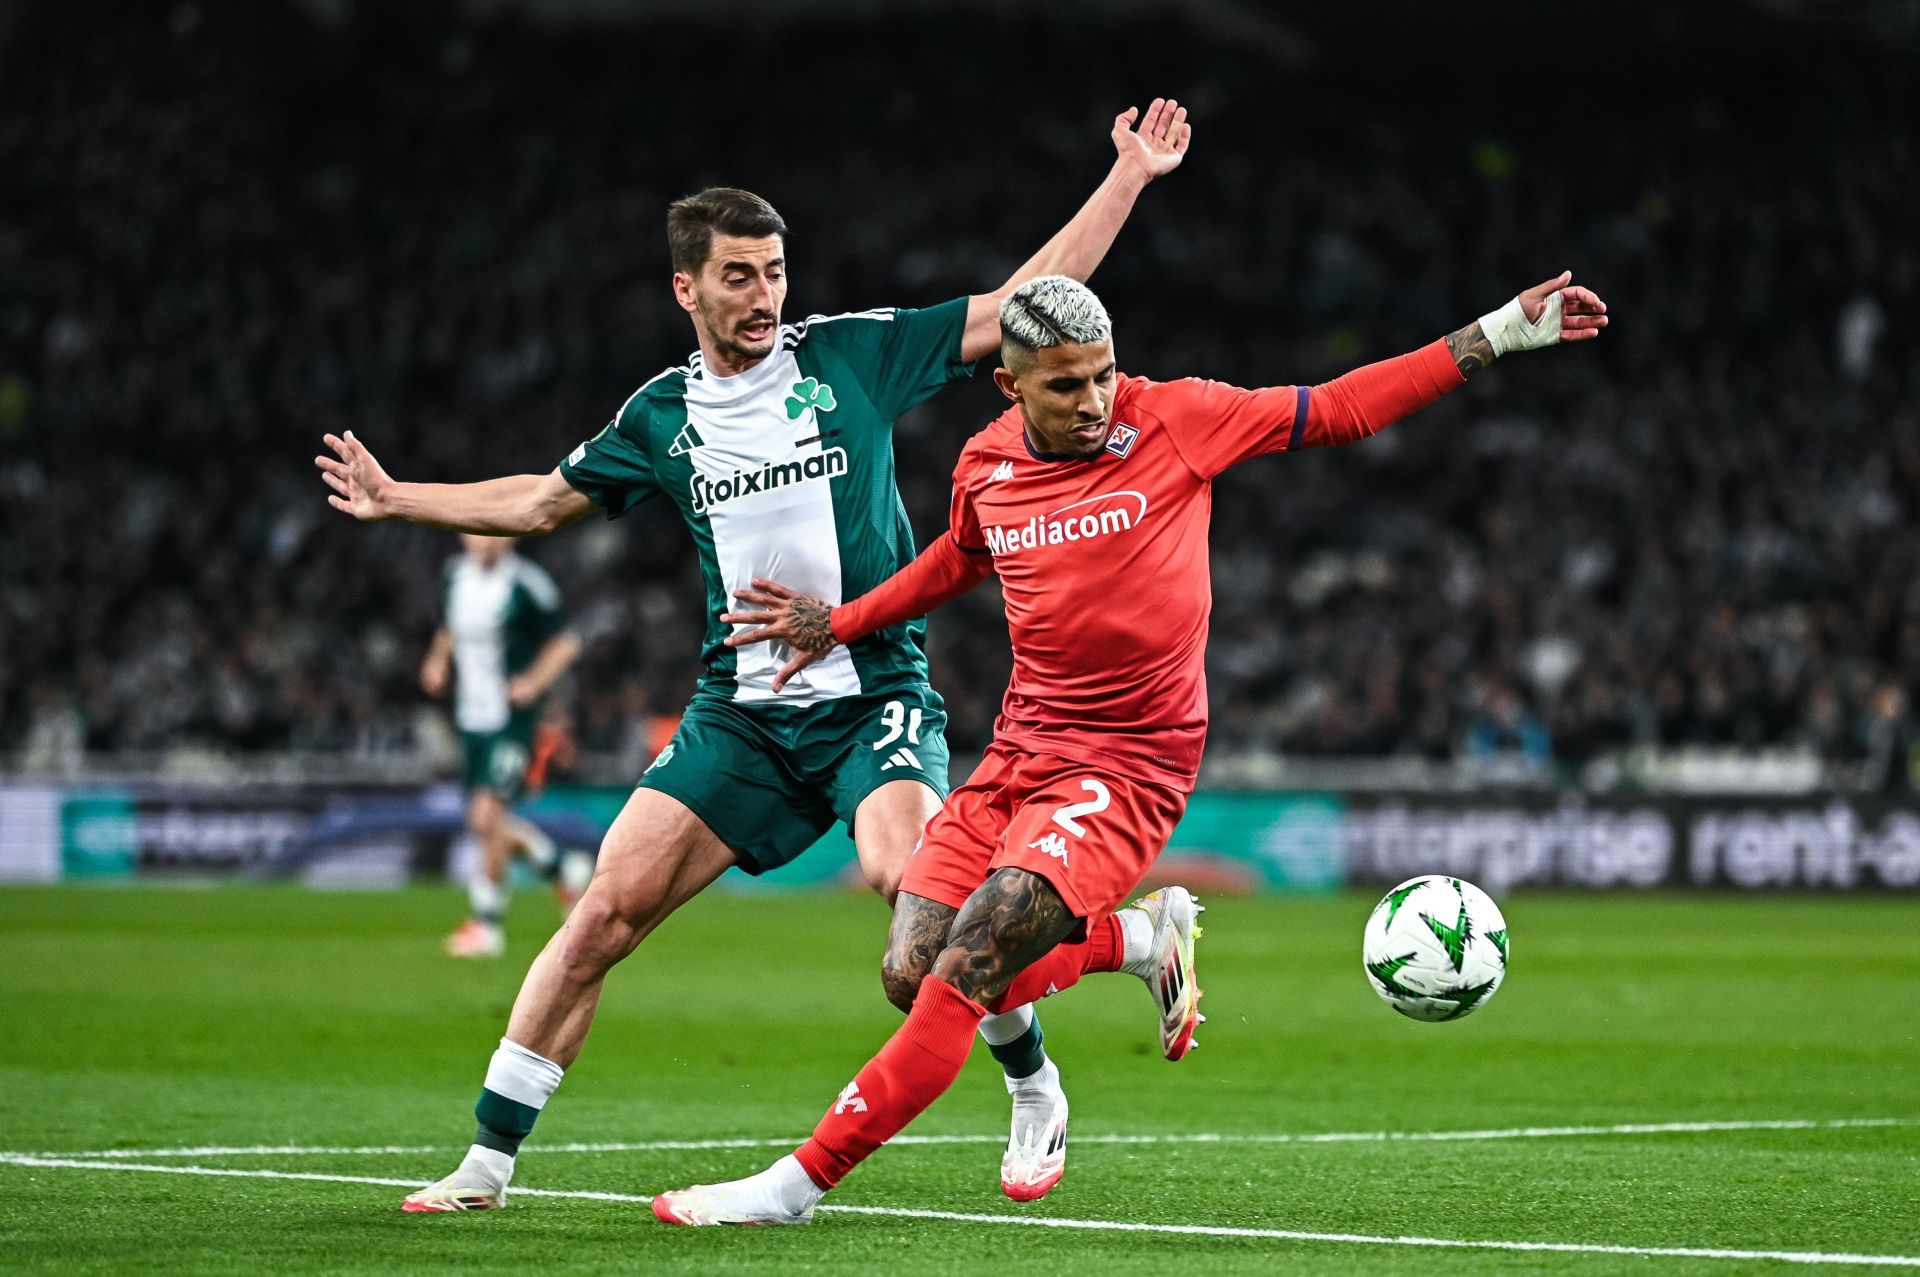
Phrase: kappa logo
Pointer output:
(850, 1099)
(1120, 439)
(1104, 515)
(1002, 471)
(1051, 845)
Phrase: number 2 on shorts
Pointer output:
(1068, 817)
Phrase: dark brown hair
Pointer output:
(692, 221)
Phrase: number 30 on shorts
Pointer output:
(1068, 817)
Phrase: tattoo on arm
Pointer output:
(1007, 924)
(813, 626)
(1470, 349)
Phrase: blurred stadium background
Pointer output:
(1644, 615)
(1650, 613)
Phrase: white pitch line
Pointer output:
(1236, 1137)
(1036, 1221)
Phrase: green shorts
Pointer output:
(770, 779)
(497, 761)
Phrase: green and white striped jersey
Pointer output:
(786, 471)
(499, 618)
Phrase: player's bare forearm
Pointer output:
(518, 505)
(555, 657)
(1078, 248)
(438, 665)
(1470, 349)
(1008, 923)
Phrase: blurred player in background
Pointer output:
(503, 643)
(776, 444)
(1091, 499)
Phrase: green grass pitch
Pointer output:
(152, 1019)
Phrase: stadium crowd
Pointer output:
(224, 232)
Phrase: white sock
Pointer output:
(1043, 1081)
(998, 1030)
(487, 898)
(1136, 948)
(522, 1076)
(790, 1185)
(492, 1162)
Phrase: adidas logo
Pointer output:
(850, 1099)
(903, 757)
(686, 441)
(1002, 471)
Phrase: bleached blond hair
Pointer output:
(1052, 310)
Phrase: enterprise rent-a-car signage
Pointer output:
(1819, 842)
(1228, 841)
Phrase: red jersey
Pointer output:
(1103, 563)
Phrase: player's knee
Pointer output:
(605, 926)
(901, 977)
(884, 877)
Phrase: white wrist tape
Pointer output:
(1507, 329)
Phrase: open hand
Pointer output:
(360, 486)
(783, 615)
(1161, 142)
(1582, 313)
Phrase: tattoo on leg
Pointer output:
(1006, 926)
(1470, 349)
(918, 934)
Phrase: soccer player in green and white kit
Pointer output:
(503, 643)
(775, 442)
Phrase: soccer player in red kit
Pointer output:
(1090, 498)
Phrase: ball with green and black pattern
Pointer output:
(1435, 948)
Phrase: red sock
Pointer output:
(1064, 964)
(918, 1064)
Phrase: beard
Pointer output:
(734, 341)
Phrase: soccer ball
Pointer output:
(1435, 948)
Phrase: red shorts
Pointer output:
(1090, 834)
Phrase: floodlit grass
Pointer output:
(149, 1019)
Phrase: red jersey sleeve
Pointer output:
(945, 570)
(961, 520)
(1217, 426)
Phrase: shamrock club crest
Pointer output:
(810, 393)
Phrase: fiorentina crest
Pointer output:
(1120, 439)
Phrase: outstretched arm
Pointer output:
(1219, 426)
(942, 573)
(1365, 401)
(1154, 151)
(519, 505)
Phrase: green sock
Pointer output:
(503, 1122)
(518, 1085)
(1024, 1056)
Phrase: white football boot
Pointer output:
(781, 1194)
(1036, 1155)
(480, 1183)
(1168, 967)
